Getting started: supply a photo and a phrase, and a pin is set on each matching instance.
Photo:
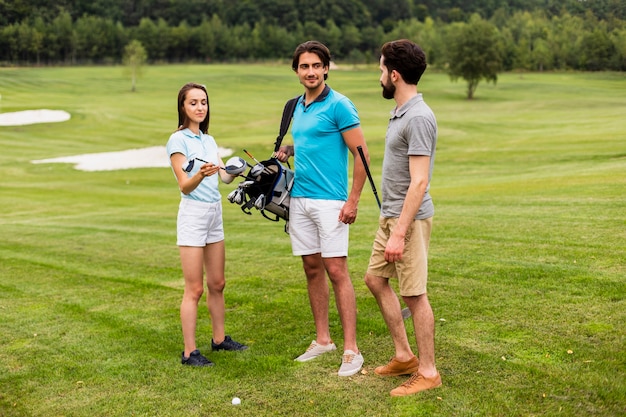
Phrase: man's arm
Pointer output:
(354, 138)
(418, 169)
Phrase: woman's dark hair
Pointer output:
(407, 58)
(314, 47)
(182, 116)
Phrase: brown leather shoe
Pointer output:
(395, 367)
(415, 384)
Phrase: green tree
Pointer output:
(134, 58)
(350, 40)
(541, 55)
(98, 39)
(271, 41)
(154, 37)
(619, 40)
(371, 41)
(474, 53)
(239, 40)
(565, 38)
(332, 37)
(63, 39)
(597, 51)
(180, 43)
(205, 37)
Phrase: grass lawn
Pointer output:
(527, 261)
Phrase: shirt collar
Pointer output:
(399, 112)
(319, 98)
(187, 132)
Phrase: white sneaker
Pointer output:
(314, 350)
(351, 363)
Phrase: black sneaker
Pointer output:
(195, 359)
(228, 344)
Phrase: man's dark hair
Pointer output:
(314, 47)
(406, 57)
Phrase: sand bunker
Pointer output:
(153, 157)
(31, 117)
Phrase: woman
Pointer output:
(200, 233)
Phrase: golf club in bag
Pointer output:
(406, 313)
(267, 185)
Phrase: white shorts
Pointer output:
(314, 227)
(199, 223)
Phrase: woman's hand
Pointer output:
(208, 169)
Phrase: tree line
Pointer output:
(287, 13)
(521, 40)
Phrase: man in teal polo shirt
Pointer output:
(325, 128)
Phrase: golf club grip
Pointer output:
(369, 174)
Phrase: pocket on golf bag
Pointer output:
(278, 204)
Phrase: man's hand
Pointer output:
(283, 153)
(347, 214)
(394, 248)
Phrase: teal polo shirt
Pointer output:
(320, 153)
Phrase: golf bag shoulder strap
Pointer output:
(290, 106)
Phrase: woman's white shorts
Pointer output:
(199, 223)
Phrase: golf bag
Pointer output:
(267, 185)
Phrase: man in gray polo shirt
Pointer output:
(400, 249)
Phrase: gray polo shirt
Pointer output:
(412, 130)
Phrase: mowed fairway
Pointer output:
(527, 260)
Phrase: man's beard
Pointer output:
(388, 90)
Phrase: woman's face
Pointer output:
(196, 105)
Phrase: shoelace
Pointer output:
(204, 360)
(236, 344)
(347, 358)
(414, 378)
(315, 345)
(312, 346)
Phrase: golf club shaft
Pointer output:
(250, 155)
(406, 313)
(369, 175)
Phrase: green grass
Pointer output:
(527, 254)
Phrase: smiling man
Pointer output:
(325, 129)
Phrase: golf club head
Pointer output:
(235, 196)
(235, 165)
(260, 202)
(188, 166)
(231, 196)
(256, 170)
(239, 196)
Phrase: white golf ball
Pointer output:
(236, 401)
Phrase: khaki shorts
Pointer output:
(412, 270)
(199, 223)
